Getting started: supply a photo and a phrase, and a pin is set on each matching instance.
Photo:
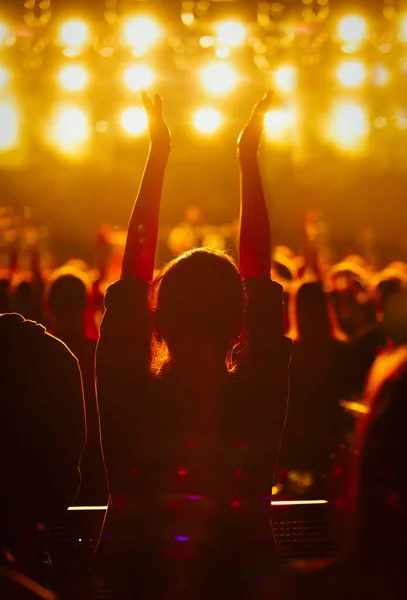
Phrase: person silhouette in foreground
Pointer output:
(67, 299)
(319, 378)
(191, 427)
(370, 562)
(42, 436)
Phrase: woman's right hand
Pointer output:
(160, 136)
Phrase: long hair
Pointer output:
(198, 295)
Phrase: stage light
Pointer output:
(352, 29)
(231, 33)
(222, 52)
(4, 77)
(140, 32)
(73, 77)
(70, 129)
(219, 78)
(285, 78)
(206, 41)
(381, 75)
(134, 121)
(278, 124)
(138, 77)
(4, 31)
(349, 126)
(9, 125)
(403, 29)
(74, 33)
(207, 120)
(351, 73)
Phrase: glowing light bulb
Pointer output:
(349, 126)
(207, 120)
(219, 78)
(352, 29)
(74, 33)
(231, 33)
(70, 129)
(138, 77)
(73, 77)
(134, 121)
(140, 32)
(351, 73)
(285, 78)
(278, 124)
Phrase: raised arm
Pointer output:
(139, 253)
(255, 239)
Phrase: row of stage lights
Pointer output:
(216, 78)
(142, 32)
(69, 129)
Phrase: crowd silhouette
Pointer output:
(203, 384)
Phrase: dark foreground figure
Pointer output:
(42, 436)
(192, 379)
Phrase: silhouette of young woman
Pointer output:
(192, 380)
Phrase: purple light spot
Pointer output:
(109, 536)
(197, 497)
(262, 538)
(259, 581)
(181, 538)
(265, 498)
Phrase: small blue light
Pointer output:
(265, 498)
(181, 538)
(192, 497)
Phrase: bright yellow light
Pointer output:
(138, 77)
(352, 29)
(349, 126)
(206, 41)
(9, 125)
(134, 121)
(351, 73)
(219, 78)
(70, 129)
(231, 33)
(74, 33)
(4, 31)
(73, 77)
(381, 75)
(403, 29)
(222, 52)
(140, 32)
(4, 77)
(278, 124)
(207, 120)
(285, 78)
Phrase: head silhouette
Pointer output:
(313, 320)
(199, 300)
(67, 294)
